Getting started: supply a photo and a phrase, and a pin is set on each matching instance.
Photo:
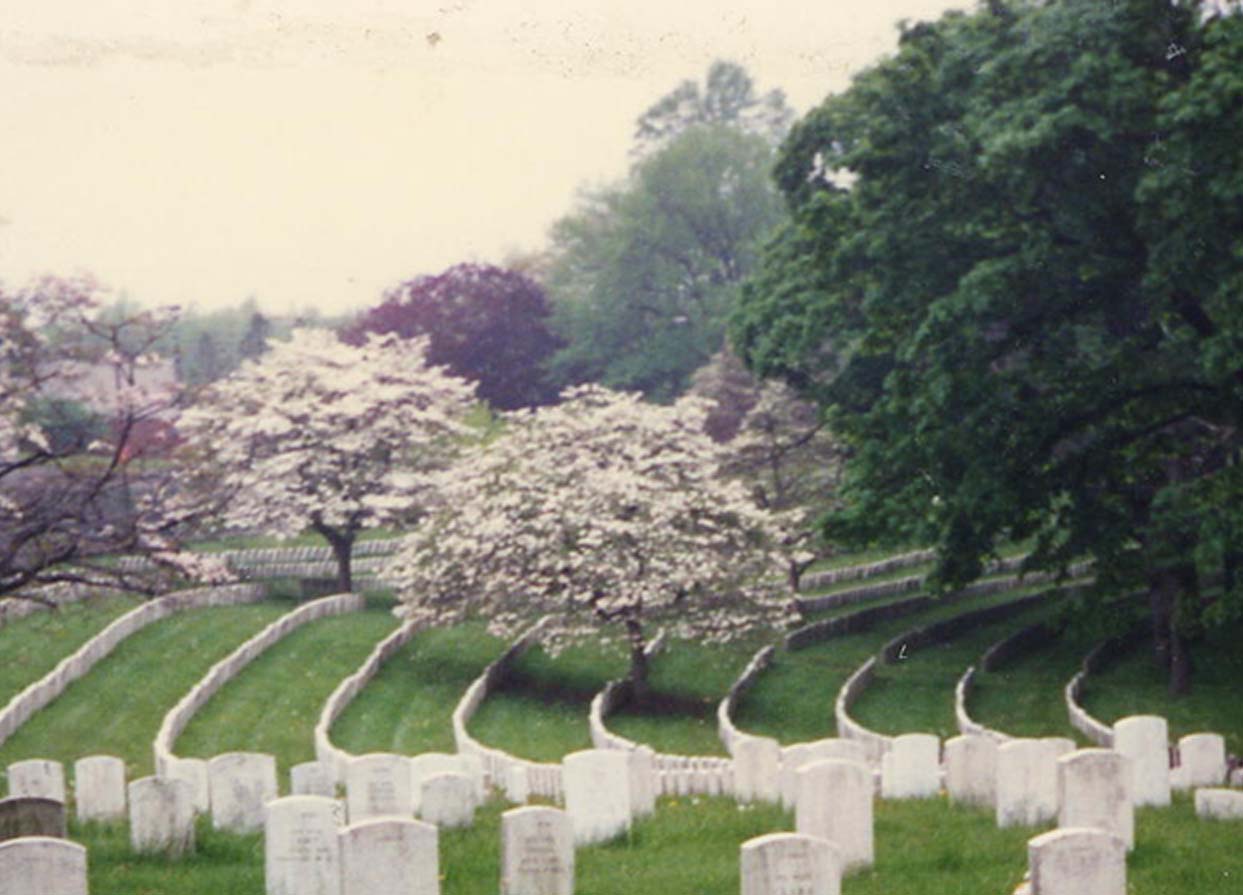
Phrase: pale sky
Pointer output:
(314, 153)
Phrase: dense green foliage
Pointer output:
(1021, 307)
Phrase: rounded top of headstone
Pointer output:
(49, 841)
(534, 811)
(759, 842)
(390, 821)
(1076, 835)
(1129, 721)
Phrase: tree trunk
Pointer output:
(342, 544)
(1171, 589)
(639, 691)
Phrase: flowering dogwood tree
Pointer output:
(606, 513)
(324, 435)
(71, 503)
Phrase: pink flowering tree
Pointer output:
(75, 497)
(606, 513)
(332, 437)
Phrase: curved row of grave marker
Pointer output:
(196, 771)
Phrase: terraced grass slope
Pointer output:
(274, 703)
(30, 647)
(117, 708)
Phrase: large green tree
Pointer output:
(1012, 278)
(645, 274)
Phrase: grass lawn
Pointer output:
(1136, 686)
(408, 706)
(117, 708)
(916, 694)
(274, 704)
(30, 647)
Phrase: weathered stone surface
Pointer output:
(379, 785)
(911, 769)
(42, 866)
(1219, 804)
(1202, 761)
(643, 784)
(99, 788)
(1077, 861)
(161, 815)
(390, 856)
(1145, 740)
(194, 772)
(1094, 791)
(835, 803)
(971, 770)
(790, 864)
(31, 816)
(597, 794)
(1026, 790)
(794, 758)
(37, 777)
(301, 850)
(241, 784)
(448, 800)
(312, 778)
(757, 769)
(537, 852)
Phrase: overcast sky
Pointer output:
(312, 153)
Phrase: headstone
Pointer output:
(161, 815)
(390, 856)
(757, 769)
(835, 803)
(537, 852)
(472, 766)
(427, 765)
(312, 778)
(1219, 804)
(194, 772)
(37, 777)
(597, 793)
(378, 785)
(794, 758)
(1077, 861)
(1202, 761)
(448, 800)
(302, 855)
(1026, 789)
(1145, 740)
(912, 768)
(1094, 791)
(971, 770)
(790, 864)
(30, 816)
(517, 785)
(41, 865)
(643, 783)
(99, 788)
(241, 783)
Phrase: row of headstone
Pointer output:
(310, 850)
(99, 784)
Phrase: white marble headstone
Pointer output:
(379, 785)
(41, 865)
(1219, 804)
(912, 768)
(429, 764)
(537, 852)
(971, 770)
(312, 778)
(37, 777)
(301, 851)
(241, 784)
(1026, 790)
(790, 864)
(597, 793)
(643, 782)
(835, 803)
(1145, 740)
(448, 800)
(99, 788)
(161, 815)
(390, 856)
(757, 769)
(1077, 861)
(516, 784)
(1202, 761)
(795, 757)
(194, 772)
(1094, 791)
